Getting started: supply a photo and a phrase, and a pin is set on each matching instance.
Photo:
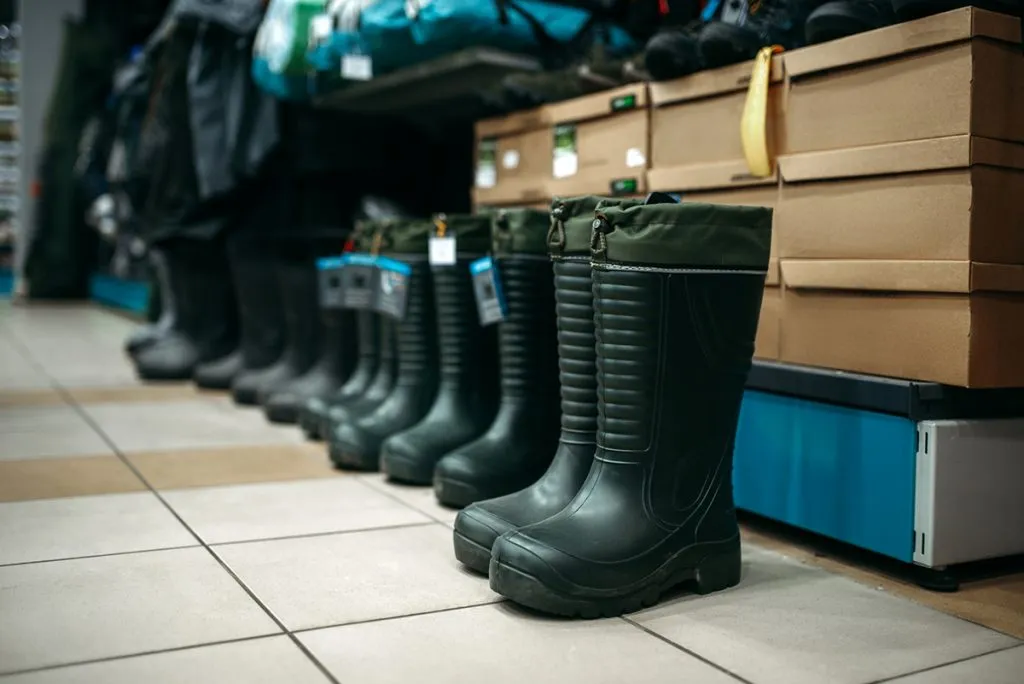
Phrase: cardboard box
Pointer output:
(542, 205)
(716, 184)
(513, 159)
(956, 198)
(767, 345)
(695, 121)
(956, 323)
(599, 143)
(956, 73)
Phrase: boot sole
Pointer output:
(474, 556)
(349, 460)
(713, 573)
(454, 494)
(405, 472)
(281, 415)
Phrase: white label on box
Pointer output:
(442, 251)
(357, 67)
(566, 164)
(635, 157)
(510, 160)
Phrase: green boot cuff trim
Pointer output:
(572, 221)
(472, 233)
(519, 231)
(405, 236)
(689, 234)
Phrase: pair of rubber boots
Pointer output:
(198, 321)
(658, 306)
(292, 349)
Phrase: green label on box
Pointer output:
(566, 161)
(486, 163)
(624, 186)
(624, 102)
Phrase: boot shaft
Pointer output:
(569, 245)
(677, 295)
(467, 352)
(260, 307)
(200, 279)
(528, 360)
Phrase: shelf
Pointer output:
(448, 87)
(906, 398)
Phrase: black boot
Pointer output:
(336, 347)
(261, 310)
(480, 524)
(673, 51)
(356, 444)
(519, 444)
(907, 10)
(297, 285)
(841, 18)
(468, 396)
(147, 335)
(219, 373)
(316, 410)
(205, 326)
(677, 293)
(744, 27)
(375, 395)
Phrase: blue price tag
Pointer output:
(490, 299)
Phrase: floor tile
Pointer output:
(270, 660)
(11, 398)
(996, 601)
(214, 422)
(499, 645)
(420, 498)
(1004, 667)
(123, 394)
(87, 526)
(789, 623)
(19, 371)
(233, 465)
(287, 509)
(77, 610)
(330, 580)
(47, 432)
(52, 478)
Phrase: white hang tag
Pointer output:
(320, 27)
(442, 251)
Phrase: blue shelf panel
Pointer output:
(128, 295)
(841, 472)
(6, 282)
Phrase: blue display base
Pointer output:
(128, 295)
(845, 473)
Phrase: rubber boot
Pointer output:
(147, 335)
(744, 28)
(297, 285)
(356, 444)
(908, 10)
(205, 326)
(840, 18)
(518, 446)
(314, 414)
(323, 379)
(479, 525)
(375, 395)
(261, 311)
(677, 294)
(316, 410)
(467, 399)
(219, 373)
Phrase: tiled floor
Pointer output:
(159, 534)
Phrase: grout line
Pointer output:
(98, 555)
(313, 535)
(364, 481)
(939, 667)
(389, 618)
(252, 595)
(685, 650)
(141, 654)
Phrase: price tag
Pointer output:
(329, 270)
(486, 169)
(510, 160)
(393, 287)
(359, 281)
(566, 161)
(442, 251)
(355, 67)
(490, 300)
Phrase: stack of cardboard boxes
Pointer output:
(899, 192)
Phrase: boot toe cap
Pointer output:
(480, 525)
(355, 448)
(402, 461)
(168, 360)
(282, 408)
(519, 553)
